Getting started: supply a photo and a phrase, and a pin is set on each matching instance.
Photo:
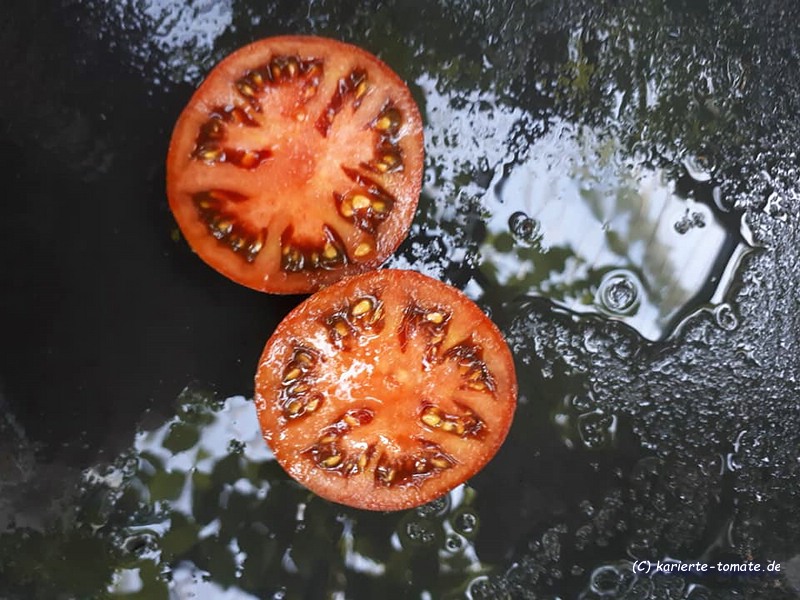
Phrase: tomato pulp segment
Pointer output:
(385, 390)
(296, 162)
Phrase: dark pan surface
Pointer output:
(129, 460)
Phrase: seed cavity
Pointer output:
(326, 254)
(388, 159)
(296, 395)
(353, 87)
(465, 423)
(432, 323)
(414, 467)
(475, 374)
(388, 121)
(209, 153)
(328, 453)
(223, 224)
(366, 206)
(362, 316)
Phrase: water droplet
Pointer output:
(605, 580)
(619, 293)
(454, 542)
(524, 228)
(479, 588)
(465, 522)
(699, 167)
(138, 545)
(725, 317)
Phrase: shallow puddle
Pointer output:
(615, 183)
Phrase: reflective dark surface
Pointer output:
(614, 182)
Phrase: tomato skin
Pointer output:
(393, 422)
(292, 176)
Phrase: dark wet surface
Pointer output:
(615, 182)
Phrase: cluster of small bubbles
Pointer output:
(595, 429)
(524, 228)
(465, 522)
(583, 402)
(668, 587)
(690, 221)
(775, 207)
(420, 532)
(700, 167)
(551, 541)
(725, 317)
(583, 536)
(641, 589)
(434, 508)
(236, 447)
(639, 547)
(625, 347)
(587, 508)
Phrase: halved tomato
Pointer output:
(385, 390)
(298, 161)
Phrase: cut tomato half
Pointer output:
(385, 390)
(296, 162)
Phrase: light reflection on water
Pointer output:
(211, 506)
(598, 232)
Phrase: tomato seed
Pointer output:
(255, 247)
(292, 67)
(430, 418)
(294, 408)
(440, 462)
(292, 375)
(331, 461)
(385, 474)
(329, 251)
(245, 89)
(361, 89)
(362, 250)
(435, 317)
(361, 307)
(360, 202)
(313, 403)
(209, 155)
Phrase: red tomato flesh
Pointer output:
(297, 161)
(385, 390)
